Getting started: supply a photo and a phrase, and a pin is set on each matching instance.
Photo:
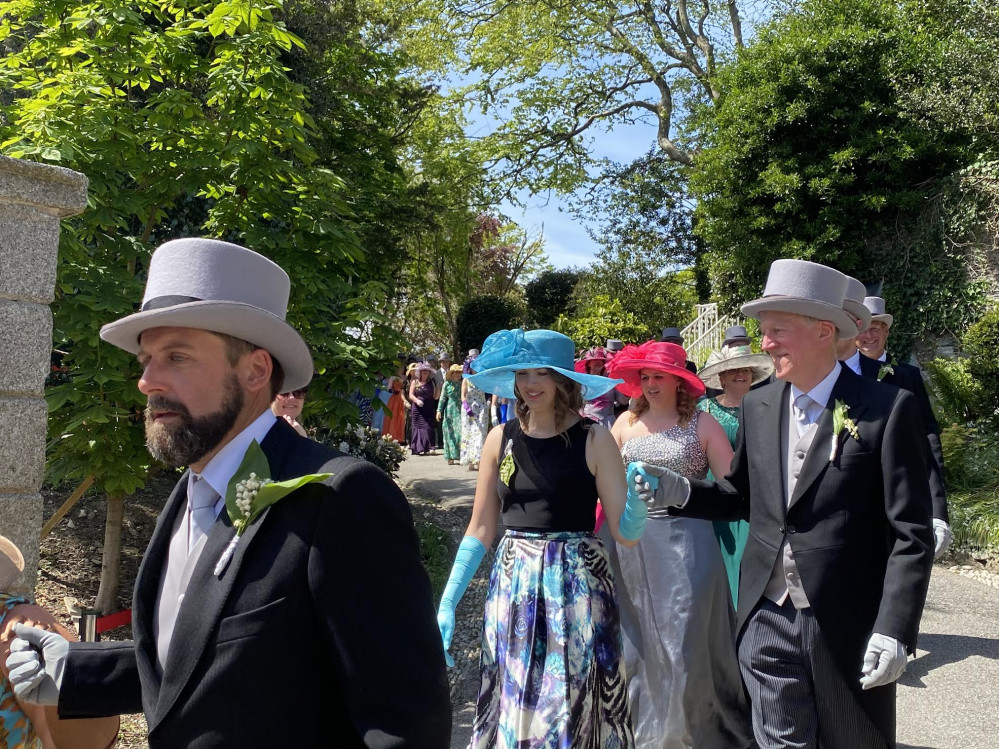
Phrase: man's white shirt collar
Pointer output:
(854, 362)
(884, 356)
(223, 465)
(821, 392)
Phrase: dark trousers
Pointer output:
(799, 695)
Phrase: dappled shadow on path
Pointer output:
(943, 649)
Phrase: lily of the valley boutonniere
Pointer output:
(251, 491)
(887, 369)
(841, 423)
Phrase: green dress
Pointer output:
(449, 407)
(731, 535)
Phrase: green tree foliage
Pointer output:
(813, 155)
(549, 75)
(549, 295)
(599, 318)
(644, 227)
(481, 316)
(187, 121)
(981, 343)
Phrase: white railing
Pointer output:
(706, 333)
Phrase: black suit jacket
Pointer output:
(909, 378)
(321, 631)
(860, 526)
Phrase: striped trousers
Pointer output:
(799, 695)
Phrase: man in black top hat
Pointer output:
(672, 335)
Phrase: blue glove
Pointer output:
(466, 561)
(636, 512)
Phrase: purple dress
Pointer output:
(424, 419)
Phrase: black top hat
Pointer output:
(672, 334)
(735, 334)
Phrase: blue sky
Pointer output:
(566, 240)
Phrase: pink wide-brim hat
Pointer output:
(628, 364)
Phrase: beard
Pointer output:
(191, 439)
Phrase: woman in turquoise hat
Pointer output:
(551, 672)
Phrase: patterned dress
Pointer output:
(474, 426)
(551, 671)
(449, 407)
(677, 618)
(731, 535)
(15, 728)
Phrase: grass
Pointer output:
(436, 554)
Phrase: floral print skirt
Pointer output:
(551, 671)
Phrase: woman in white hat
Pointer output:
(733, 370)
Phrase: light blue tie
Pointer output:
(803, 408)
(201, 501)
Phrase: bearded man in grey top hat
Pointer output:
(830, 470)
(317, 612)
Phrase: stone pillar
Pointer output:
(33, 199)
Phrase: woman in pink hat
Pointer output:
(676, 612)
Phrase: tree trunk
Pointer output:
(107, 595)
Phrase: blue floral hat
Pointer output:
(506, 351)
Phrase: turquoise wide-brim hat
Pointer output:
(507, 351)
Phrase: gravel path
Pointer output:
(948, 697)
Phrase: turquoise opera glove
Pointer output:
(466, 562)
(636, 512)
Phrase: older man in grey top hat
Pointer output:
(830, 471)
(314, 611)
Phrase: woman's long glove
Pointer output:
(466, 561)
(636, 512)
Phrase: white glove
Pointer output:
(494, 413)
(660, 487)
(942, 536)
(884, 661)
(36, 664)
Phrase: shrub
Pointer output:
(957, 392)
(481, 316)
(365, 442)
(981, 343)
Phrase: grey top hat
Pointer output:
(853, 302)
(735, 334)
(877, 307)
(444, 356)
(613, 344)
(804, 288)
(671, 334)
(224, 288)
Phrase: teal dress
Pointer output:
(731, 535)
(449, 407)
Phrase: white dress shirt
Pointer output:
(819, 394)
(854, 361)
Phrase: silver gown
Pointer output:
(677, 619)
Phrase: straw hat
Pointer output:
(224, 288)
(804, 288)
(735, 357)
(659, 355)
(507, 351)
(11, 563)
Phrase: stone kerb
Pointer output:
(33, 200)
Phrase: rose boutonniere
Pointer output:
(841, 423)
(251, 491)
(888, 368)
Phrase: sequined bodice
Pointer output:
(676, 448)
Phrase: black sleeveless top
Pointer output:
(551, 488)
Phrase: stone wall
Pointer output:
(33, 199)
